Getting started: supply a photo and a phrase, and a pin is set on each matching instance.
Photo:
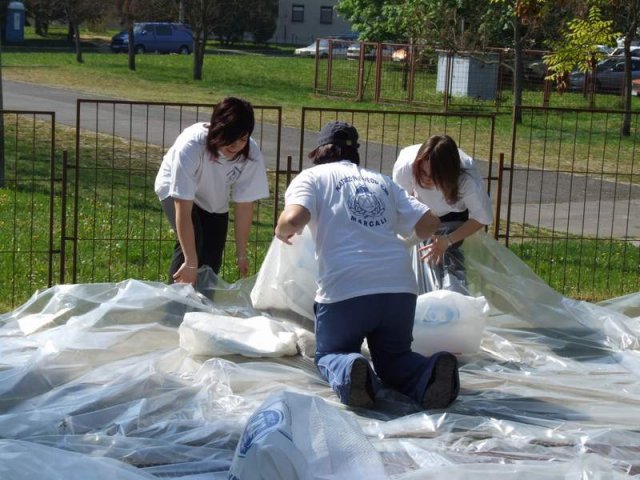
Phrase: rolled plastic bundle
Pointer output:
(448, 321)
(301, 437)
(203, 333)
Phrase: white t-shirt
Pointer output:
(188, 172)
(355, 216)
(472, 194)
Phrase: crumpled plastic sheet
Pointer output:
(93, 384)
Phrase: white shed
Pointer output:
(470, 76)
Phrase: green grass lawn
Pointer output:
(115, 216)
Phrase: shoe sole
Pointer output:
(359, 391)
(441, 391)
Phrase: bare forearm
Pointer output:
(291, 221)
(243, 221)
(188, 271)
(427, 225)
(242, 229)
(465, 230)
(185, 232)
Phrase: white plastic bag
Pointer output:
(287, 277)
(292, 436)
(203, 333)
(448, 321)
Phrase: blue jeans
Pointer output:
(386, 321)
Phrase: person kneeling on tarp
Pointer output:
(366, 286)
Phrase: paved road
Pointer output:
(561, 201)
(155, 125)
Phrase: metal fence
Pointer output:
(29, 201)
(422, 75)
(115, 227)
(573, 207)
(567, 199)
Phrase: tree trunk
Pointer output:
(77, 42)
(625, 129)
(41, 27)
(199, 43)
(2, 181)
(132, 52)
(517, 70)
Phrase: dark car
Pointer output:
(155, 37)
(609, 75)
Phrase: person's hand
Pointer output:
(283, 237)
(243, 266)
(435, 250)
(186, 274)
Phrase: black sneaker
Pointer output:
(444, 384)
(361, 388)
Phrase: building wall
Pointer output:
(306, 31)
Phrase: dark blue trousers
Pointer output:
(386, 321)
(210, 231)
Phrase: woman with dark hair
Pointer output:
(366, 287)
(208, 164)
(445, 179)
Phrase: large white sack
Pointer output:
(301, 437)
(203, 333)
(448, 321)
(287, 277)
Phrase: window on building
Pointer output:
(297, 13)
(326, 15)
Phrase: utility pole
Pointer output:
(2, 181)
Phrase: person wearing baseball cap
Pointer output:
(366, 285)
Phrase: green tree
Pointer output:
(76, 12)
(262, 20)
(41, 12)
(127, 9)
(578, 49)
(447, 24)
(131, 11)
(625, 15)
(229, 21)
(201, 15)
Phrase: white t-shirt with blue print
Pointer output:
(356, 215)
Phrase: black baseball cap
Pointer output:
(338, 133)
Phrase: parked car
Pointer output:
(618, 51)
(353, 52)
(339, 49)
(155, 37)
(635, 87)
(609, 75)
(607, 50)
(535, 70)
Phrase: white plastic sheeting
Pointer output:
(94, 384)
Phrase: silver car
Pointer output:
(609, 75)
(338, 49)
